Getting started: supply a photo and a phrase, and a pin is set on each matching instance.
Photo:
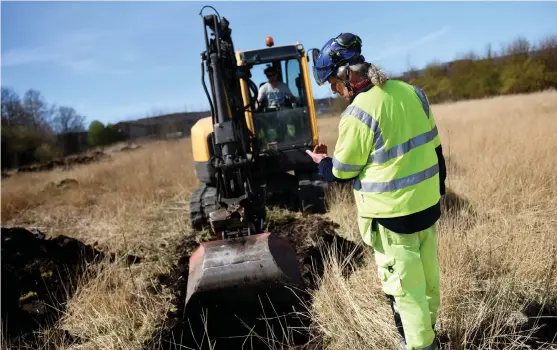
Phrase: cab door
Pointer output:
(295, 81)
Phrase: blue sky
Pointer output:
(114, 61)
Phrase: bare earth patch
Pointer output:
(258, 324)
(39, 275)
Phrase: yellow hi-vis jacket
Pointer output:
(387, 140)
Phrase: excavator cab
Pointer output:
(285, 124)
(283, 132)
(290, 124)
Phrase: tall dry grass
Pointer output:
(497, 236)
(135, 195)
(135, 203)
(497, 244)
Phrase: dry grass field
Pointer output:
(497, 238)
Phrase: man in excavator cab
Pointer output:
(275, 95)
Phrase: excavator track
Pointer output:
(310, 194)
(203, 201)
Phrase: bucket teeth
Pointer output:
(241, 267)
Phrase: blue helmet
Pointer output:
(342, 50)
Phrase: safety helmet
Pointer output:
(345, 49)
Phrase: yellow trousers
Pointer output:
(408, 269)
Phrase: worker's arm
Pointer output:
(440, 157)
(442, 169)
(288, 93)
(262, 94)
(352, 149)
(351, 152)
(326, 171)
(438, 148)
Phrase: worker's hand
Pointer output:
(320, 149)
(317, 157)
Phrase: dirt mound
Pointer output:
(63, 184)
(311, 236)
(230, 326)
(38, 275)
(65, 162)
(129, 148)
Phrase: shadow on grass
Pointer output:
(541, 324)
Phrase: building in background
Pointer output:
(177, 125)
(167, 126)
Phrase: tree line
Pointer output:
(519, 67)
(34, 130)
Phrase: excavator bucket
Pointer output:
(230, 270)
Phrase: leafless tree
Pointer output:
(36, 109)
(66, 119)
(518, 47)
(12, 110)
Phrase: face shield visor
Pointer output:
(321, 74)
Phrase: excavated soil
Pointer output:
(542, 325)
(64, 163)
(38, 275)
(222, 328)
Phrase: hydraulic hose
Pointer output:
(207, 91)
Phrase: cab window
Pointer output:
(288, 125)
(294, 79)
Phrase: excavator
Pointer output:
(249, 156)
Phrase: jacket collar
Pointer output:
(364, 89)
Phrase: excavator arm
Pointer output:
(243, 261)
(236, 149)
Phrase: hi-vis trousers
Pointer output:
(408, 269)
